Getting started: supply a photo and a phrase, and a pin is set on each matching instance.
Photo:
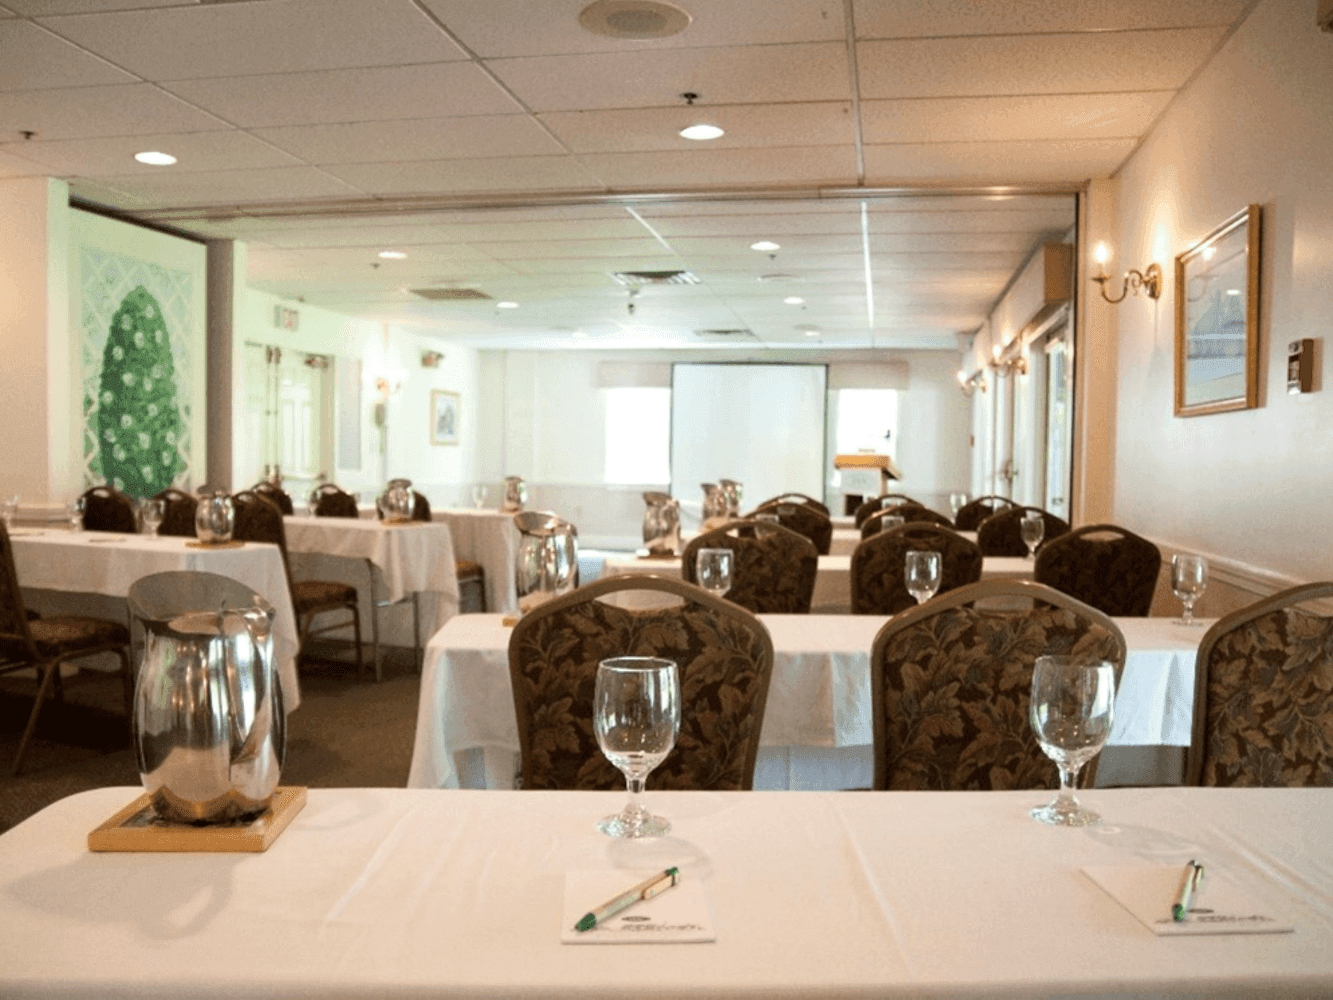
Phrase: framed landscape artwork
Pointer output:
(1217, 319)
(443, 417)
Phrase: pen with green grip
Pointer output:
(644, 890)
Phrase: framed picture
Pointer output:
(443, 417)
(1217, 319)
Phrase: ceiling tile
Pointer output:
(415, 139)
(1056, 217)
(232, 186)
(746, 125)
(1047, 64)
(1057, 116)
(717, 168)
(4, 12)
(86, 112)
(34, 59)
(443, 177)
(48, 8)
(914, 19)
(792, 246)
(758, 226)
(349, 95)
(959, 242)
(17, 166)
(591, 250)
(231, 150)
(995, 162)
(279, 36)
(746, 75)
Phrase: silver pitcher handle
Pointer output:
(246, 746)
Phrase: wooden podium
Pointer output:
(866, 460)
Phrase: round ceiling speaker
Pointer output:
(634, 18)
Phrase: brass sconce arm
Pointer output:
(1148, 281)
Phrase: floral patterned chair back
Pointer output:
(798, 498)
(877, 581)
(803, 520)
(1002, 534)
(772, 568)
(1106, 566)
(912, 513)
(332, 501)
(723, 655)
(1263, 713)
(108, 509)
(970, 515)
(881, 502)
(951, 683)
(178, 509)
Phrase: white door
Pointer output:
(1059, 424)
(287, 406)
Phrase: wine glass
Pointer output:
(1073, 702)
(312, 502)
(74, 511)
(712, 568)
(152, 513)
(636, 717)
(1189, 578)
(890, 521)
(1032, 528)
(957, 501)
(478, 496)
(9, 509)
(922, 574)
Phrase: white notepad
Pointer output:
(1148, 892)
(680, 915)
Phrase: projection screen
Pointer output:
(762, 425)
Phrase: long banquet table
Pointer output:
(817, 729)
(107, 563)
(405, 893)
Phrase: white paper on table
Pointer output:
(680, 915)
(1218, 907)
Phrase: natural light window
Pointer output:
(864, 417)
(638, 436)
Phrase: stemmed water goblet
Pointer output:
(1073, 703)
(957, 501)
(1032, 528)
(74, 511)
(890, 521)
(478, 496)
(636, 718)
(151, 514)
(1189, 578)
(713, 570)
(922, 572)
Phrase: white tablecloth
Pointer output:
(393, 892)
(488, 537)
(415, 557)
(99, 562)
(817, 723)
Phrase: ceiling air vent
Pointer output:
(450, 294)
(725, 335)
(637, 279)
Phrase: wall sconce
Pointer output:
(971, 383)
(1014, 364)
(1148, 281)
(431, 359)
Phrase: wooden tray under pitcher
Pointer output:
(138, 828)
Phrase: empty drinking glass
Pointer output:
(74, 511)
(152, 513)
(1032, 528)
(9, 509)
(922, 573)
(1189, 579)
(636, 718)
(890, 521)
(1073, 703)
(957, 501)
(713, 570)
(478, 496)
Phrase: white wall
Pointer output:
(1250, 487)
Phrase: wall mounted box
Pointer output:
(1300, 366)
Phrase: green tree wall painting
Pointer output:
(138, 420)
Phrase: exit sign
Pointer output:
(286, 319)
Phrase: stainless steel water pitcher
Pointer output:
(661, 523)
(548, 558)
(715, 505)
(516, 494)
(214, 517)
(210, 732)
(396, 503)
(731, 492)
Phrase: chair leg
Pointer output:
(356, 628)
(417, 656)
(48, 669)
(374, 621)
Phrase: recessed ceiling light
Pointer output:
(701, 132)
(766, 246)
(506, 305)
(634, 18)
(393, 255)
(794, 300)
(155, 159)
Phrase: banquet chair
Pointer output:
(1002, 534)
(1263, 714)
(911, 513)
(877, 574)
(803, 520)
(259, 520)
(178, 508)
(276, 495)
(332, 501)
(724, 659)
(1103, 565)
(45, 643)
(773, 568)
(970, 515)
(880, 502)
(951, 683)
(420, 512)
(108, 509)
(796, 498)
